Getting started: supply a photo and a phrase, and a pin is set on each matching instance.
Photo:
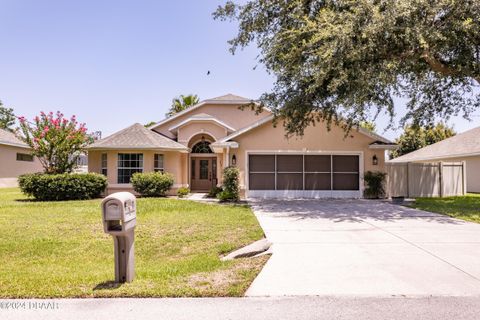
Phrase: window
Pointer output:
(128, 164)
(24, 157)
(104, 164)
(202, 147)
(203, 169)
(158, 163)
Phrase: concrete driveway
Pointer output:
(365, 248)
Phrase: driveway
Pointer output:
(365, 248)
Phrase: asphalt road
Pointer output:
(345, 308)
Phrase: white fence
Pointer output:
(432, 179)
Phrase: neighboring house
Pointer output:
(15, 159)
(196, 144)
(461, 147)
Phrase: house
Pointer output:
(196, 144)
(461, 147)
(15, 159)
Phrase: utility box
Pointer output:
(119, 216)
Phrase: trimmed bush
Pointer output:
(214, 191)
(152, 184)
(65, 186)
(231, 181)
(375, 184)
(182, 192)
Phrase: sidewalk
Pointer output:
(297, 308)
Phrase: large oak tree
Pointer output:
(345, 61)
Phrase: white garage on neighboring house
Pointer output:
(15, 159)
(461, 147)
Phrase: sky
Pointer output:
(114, 63)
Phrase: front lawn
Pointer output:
(59, 249)
(465, 207)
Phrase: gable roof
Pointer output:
(464, 144)
(202, 117)
(225, 99)
(229, 97)
(137, 137)
(10, 139)
(379, 140)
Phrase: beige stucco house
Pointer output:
(196, 144)
(461, 147)
(15, 159)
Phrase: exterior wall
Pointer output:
(175, 163)
(10, 168)
(472, 168)
(229, 114)
(187, 132)
(316, 139)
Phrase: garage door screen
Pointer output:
(303, 172)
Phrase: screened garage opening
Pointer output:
(303, 175)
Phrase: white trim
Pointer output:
(248, 128)
(306, 193)
(262, 121)
(126, 149)
(198, 133)
(201, 103)
(462, 155)
(13, 144)
(202, 119)
(385, 146)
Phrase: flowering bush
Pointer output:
(55, 140)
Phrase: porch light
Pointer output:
(234, 160)
(375, 160)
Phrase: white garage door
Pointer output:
(303, 175)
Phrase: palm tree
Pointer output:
(181, 103)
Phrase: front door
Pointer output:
(203, 173)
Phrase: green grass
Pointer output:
(59, 249)
(464, 207)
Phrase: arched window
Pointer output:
(202, 147)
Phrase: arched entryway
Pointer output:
(203, 163)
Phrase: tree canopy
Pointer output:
(181, 103)
(345, 61)
(414, 138)
(7, 118)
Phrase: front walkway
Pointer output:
(365, 248)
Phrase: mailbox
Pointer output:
(119, 215)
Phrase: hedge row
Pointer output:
(67, 186)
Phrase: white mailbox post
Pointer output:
(119, 217)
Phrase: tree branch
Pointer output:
(439, 67)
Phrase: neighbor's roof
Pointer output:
(465, 144)
(222, 100)
(10, 139)
(137, 137)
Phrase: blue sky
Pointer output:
(113, 63)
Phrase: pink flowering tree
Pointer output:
(56, 141)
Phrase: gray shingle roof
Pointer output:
(137, 137)
(461, 145)
(8, 138)
(229, 97)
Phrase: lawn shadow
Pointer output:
(107, 285)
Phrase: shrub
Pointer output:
(66, 186)
(231, 189)
(152, 184)
(375, 184)
(182, 192)
(214, 191)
